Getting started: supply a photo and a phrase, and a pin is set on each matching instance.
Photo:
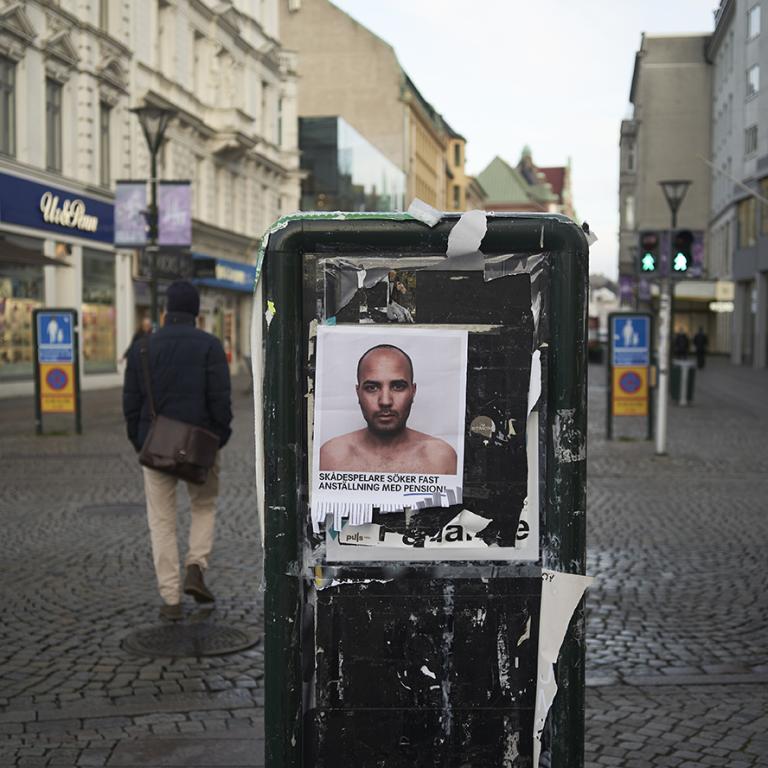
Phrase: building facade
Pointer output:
(69, 74)
(669, 137)
(738, 51)
(347, 71)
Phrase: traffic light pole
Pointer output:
(665, 320)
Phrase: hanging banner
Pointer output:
(130, 214)
(174, 213)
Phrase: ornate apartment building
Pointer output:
(69, 75)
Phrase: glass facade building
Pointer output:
(345, 172)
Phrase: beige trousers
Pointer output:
(160, 491)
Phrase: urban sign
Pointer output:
(630, 335)
(629, 367)
(56, 364)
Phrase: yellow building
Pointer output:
(347, 71)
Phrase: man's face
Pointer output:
(385, 391)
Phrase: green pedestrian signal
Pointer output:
(682, 242)
(649, 253)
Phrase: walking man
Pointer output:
(190, 382)
(700, 342)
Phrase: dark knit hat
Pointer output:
(182, 296)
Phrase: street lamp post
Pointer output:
(674, 192)
(154, 121)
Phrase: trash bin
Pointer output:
(682, 381)
(422, 604)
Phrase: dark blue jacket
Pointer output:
(190, 380)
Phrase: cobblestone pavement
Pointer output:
(677, 620)
(76, 577)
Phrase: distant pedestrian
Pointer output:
(190, 382)
(700, 342)
(680, 345)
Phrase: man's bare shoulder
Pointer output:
(441, 458)
(336, 452)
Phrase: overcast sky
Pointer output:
(553, 74)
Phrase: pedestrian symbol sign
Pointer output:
(57, 376)
(55, 337)
(630, 336)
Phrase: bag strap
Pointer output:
(147, 379)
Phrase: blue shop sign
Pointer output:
(28, 203)
(232, 275)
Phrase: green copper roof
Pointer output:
(505, 184)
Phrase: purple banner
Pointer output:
(626, 289)
(130, 213)
(697, 255)
(174, 203)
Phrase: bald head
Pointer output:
(384, 349)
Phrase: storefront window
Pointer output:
(98, 313)
(21, 291)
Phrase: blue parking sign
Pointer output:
(630, 339)
(55, 337)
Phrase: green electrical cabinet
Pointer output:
(421, 440)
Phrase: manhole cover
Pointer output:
(197, 639)
(113, 509)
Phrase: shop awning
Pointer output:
(10, 253)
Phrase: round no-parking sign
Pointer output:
(630, 382)
(56, 379)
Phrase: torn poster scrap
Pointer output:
(560, 596)
(389, 421)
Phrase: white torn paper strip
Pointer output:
(423, 212)
(560, 595)
(467, 234)
(534, 388)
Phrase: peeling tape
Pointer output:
(424, 213)
(467, 234)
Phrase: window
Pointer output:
(104, 145)
(750, 140)
(630, 155)
(629, 212)
(764, 207)
(7, 106)
(456, 196)
(279, 136)
(457, 154)
(104, 15)
(22, 290)
(746, 215)
(264, 108)
(53, 125)
(98, 311)
(753, 81)
(753, 22)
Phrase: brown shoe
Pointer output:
(171, 612)
(195, 586)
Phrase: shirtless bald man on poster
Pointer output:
(385, 392)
